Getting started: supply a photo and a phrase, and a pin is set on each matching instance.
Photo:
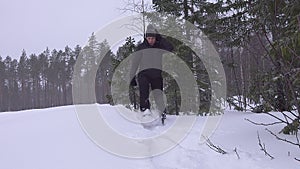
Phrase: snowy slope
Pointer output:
(53, 139)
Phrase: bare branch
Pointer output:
(286, 117)
(277, 118)
(135, 7)
(236, 152)
(294, 114)
(214, 147)
(265, 48)
(140, 7)
(247, 104)
(283, 139)
(297, 138)
(263, 124)
(263, 147)
(294, 52)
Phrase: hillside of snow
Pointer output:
(53, 138)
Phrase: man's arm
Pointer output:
(164, 44)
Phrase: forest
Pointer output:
(258, 43)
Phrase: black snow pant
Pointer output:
(146, 83)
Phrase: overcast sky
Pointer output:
(34, 25)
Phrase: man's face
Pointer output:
(151, 40)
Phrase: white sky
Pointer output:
(34, 25)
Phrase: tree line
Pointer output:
(45, 79)
(37, 81)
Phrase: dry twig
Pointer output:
(214, 147)
(263, 147)
(263, 124)
(236, 152)
(285, 140)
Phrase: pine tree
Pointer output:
(23, 76)
(120, 74)
(104, 73)
(86, 70)
(69, 69)
(13, 86)
(52, 76)
(10, 85)
(43, 60)
(34, 71)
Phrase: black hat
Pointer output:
(151, 31)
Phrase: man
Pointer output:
(148, 58)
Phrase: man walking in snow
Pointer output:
(148, 58)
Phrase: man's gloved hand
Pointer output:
(133, 82)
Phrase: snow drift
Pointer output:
(54, 139)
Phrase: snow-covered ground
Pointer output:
(53, 139)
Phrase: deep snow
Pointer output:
(53, 139)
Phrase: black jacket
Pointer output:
(149, 58)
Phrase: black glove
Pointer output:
(133, 82)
